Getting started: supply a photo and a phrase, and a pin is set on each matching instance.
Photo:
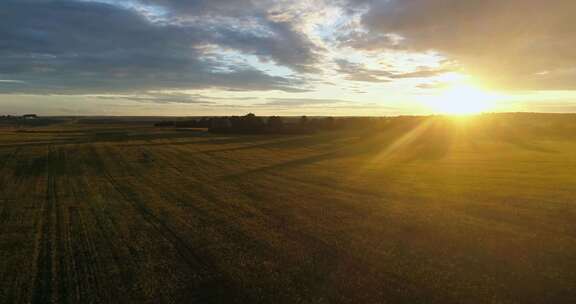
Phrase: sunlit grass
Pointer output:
(429, 201)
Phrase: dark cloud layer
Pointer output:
(303, 102)
(238, 8)
(163, 98)
(90, 47)
(525, 44)
(356, 72)
(135, 46)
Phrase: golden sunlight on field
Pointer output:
(429, 209)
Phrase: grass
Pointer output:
(438, 212)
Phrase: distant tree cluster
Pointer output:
(8, 117)
(28, 120)
(502, 125)
(252, 124)
(12, 117)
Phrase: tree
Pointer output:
(275, 123)
(329, 122)
(252, 124)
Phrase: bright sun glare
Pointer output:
(462, 99)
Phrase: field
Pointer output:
(440, 211)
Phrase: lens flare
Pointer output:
(462, 98)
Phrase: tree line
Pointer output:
(252, 124)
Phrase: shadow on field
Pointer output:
(211, 139)
(428, 141)
(285, 165)
(99, 136)
(326, 141)
(524, 139)
(421, 142)
(521, 143)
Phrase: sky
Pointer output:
(285, 57)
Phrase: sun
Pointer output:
(462, 99)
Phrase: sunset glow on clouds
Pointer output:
(348, 57)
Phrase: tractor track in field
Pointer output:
(51, 276)
(4, 164)
(109, 229)
(10, 156)
(328, 256)
(206, 270)
(214, 219)
(59, 236)
(85, 269)
(4, 211)
(55, 270)
(43, 290)
(269, 171)
(84, 266)
(17, 289)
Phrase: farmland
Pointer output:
(436, 212)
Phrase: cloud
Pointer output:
(433, 85)
(425, 73)
(322, 105)
(505, 43)
(250, 26)
(162, 98)
(11, 81)
(141, 49)
(209, 7)
(173, 98)
(71, 47)
(302, 101)
(357, 72)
